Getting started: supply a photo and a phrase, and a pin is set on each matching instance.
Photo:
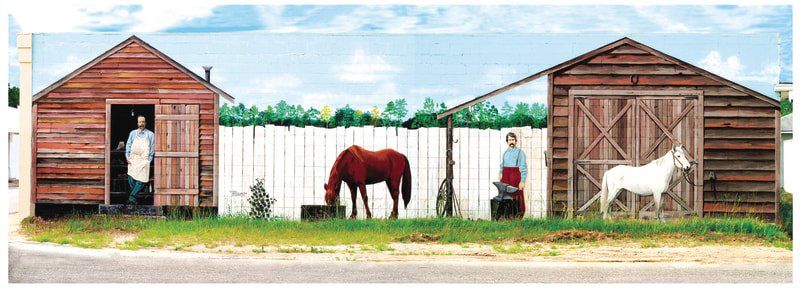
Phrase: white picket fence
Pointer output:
(295, 163)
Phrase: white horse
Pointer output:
(650, 179)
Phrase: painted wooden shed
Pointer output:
(627, 103)
(80, 120)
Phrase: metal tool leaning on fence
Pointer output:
(514, 170)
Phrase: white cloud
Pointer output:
(161, 15)
(61, 69)
(733, 69)
(496, 76)
(337, 100)
(365, 68)
(13, 58)
(433, 92)
(664, 22)
(275, 84)
(74, 16)
(533, 92)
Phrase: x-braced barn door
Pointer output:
(661, 122)
(177, 155)
(610, 128)
(602, 135)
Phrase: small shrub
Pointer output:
(260, 201)
(785, 212)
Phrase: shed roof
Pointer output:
(121, 45)
(605, 48)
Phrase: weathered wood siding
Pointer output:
(70, 123)
(739, 142)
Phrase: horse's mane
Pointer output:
(335, 167)
(658, 161)
(356, 151)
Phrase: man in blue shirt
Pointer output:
(139, 152)
(514, 170)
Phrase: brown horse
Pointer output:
(358, 167)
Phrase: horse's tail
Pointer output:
(604, 195)
(406, 183)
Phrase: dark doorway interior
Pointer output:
(123, 121)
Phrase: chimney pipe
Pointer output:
(208, 72)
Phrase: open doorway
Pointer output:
(123, 121)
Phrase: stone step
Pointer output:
(136, 210)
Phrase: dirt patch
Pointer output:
(571, 236)
(419, 238)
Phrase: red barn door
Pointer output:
(177, 155)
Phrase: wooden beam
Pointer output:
(571, 157)
(479, 99)
(777, 162)
(699, 153)
(107, 158)
(550, 135)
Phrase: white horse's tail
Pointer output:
(604, 196)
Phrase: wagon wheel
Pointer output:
(441, 200)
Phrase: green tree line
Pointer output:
(395, 114)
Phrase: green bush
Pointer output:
(785, 212)
(786, 107)
(261, 204)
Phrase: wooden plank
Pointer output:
(712, 143)
(627, 49)
(189, 154)
(737, 133)
(714, 91)
(664, 80)
(570, 155)
(740, 112)
(734, 101)
(69, 155)
(602, 69)
(628, 59)
(69, 189)
(216, 163)
(68, 197)
(745, 186)
(714, 165)
(107, 158)
(778, 152)
(178, 117)
(728, 154)
(742, 175)
(699, 129)
(737, 122)
(177, 191)
(551, 133)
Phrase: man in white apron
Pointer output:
(139, 151)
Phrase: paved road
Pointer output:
(35, 263)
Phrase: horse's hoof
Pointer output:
(352, 217)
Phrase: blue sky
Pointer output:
(366, 55)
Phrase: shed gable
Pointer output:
(628, 65)
(131, 68)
